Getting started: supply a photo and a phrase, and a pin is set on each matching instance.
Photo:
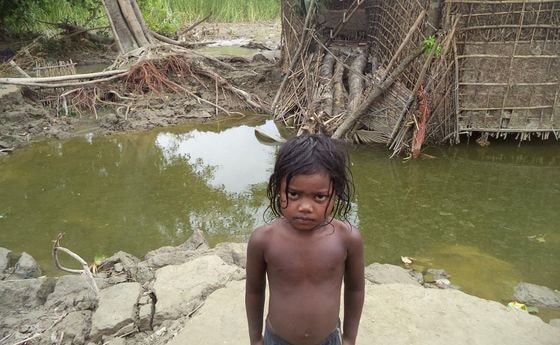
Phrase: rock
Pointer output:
(74, 329)
(177, 255)
(73, 292)
(436, 274)
(222, 313)
(146, 309)
(117, 305)
(388, 274)
(165, 256)
(181, 289)
(400, 314)
(116, 341)
(232, 253)
(24, 294)
(536, 295)
(4, 259)
(119, 262)
(195, 242)
(26, 267)
(21, 307)
(555, 323)
(396, 314)
(144, 274)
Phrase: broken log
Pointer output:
(327, 97)
(356, 81)
(340, 94)
(375, 93)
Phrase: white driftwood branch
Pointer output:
(85, 269)
(61, 78)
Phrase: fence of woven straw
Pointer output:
(406, 72)
(508, 56)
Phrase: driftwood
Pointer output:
(85, 269)
(19, 81)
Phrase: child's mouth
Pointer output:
(303, 220)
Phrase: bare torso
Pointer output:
(305, 272)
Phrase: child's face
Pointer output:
(307, 201)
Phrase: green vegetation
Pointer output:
(429, 44)
(166, 16)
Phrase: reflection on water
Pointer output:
(220, 164)
(487, 216)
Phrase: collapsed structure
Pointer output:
(403, 72)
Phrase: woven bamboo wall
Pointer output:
(389, 23)
(509, 66)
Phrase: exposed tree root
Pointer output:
(154, 69)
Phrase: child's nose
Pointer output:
(305, 206)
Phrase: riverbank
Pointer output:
(191, 294)
(26, 115)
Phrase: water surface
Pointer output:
(488, 216)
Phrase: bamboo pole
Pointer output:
(496, 56)
(295, 59)
(406, 40)
(61, 78)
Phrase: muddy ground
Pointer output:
(26, 115)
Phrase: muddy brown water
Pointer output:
(488, 216)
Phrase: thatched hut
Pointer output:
(489, 68)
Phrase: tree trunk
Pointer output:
(129, 29)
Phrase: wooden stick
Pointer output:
(17, 68)
(61, 78)
(15, 82)
(197, 23)
(406, 40)
(508, 108)
(509, 26)
(494, 56)
(506, 84)
(295, 60)
(510, 130)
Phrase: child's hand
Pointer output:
(347, 342)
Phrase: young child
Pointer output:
(305, 252)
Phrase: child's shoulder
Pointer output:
(263, 232)
(347, 231)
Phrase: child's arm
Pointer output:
(354, 285)
(255, 287)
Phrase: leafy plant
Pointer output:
(429, 44)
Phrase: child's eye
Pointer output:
(321, 197)
(292, 195)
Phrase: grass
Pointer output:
(165, 16)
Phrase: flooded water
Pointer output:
(488, 216)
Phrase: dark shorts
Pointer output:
(335, 338)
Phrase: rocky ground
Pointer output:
(24, 114)
(192, 294)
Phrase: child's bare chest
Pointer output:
(315, 259)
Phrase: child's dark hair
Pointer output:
(309, 154)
